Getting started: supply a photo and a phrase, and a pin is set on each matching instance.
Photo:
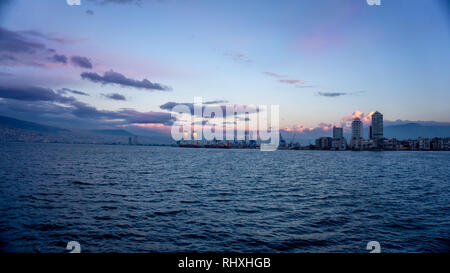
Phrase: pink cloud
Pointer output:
(358, 114)
(291, 81)
(276, 75)
(327, 127)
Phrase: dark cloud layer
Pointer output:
(221, 103)
(170, 105)
(82, 62)
(14, 42)
(37, 101)
(60, 58)
(32, 93)
(112, 77)
(115, 96)
(30, 48)
(76, 92)
(331, 94)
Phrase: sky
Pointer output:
(109, 63)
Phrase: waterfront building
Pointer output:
(338, 132)
(357, 127)
(324, 143)
(357, 134)
(338, 142)
(377, 126)
(424, 144)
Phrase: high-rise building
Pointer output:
(338, 142)
(357, 129)
(338, 133)
(357, 134)
(377, 125)
(324, 143)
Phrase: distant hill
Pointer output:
(415, 130)
(27, 125)
(16, 130)
(113, 132)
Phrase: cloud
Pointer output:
(31, 93)
(134, 116)
(89, 12)
(59, 58)
(76, 92)
(112, 77)
(170, 105)
(48, 37)
(39, 101)
(216, 102)
(115, 96)
(29, 48)
(237, 57)
(223, 104)
(15, 42)
(359, 114)
(82, 62)
(272, 74)
(291, 81)
(331, 94)
(282, 79)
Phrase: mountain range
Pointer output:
(12, 129)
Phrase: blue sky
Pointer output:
(319, 60)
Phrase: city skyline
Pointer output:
(89, 66)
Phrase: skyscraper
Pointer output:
(357, 134)
(338, 133)
(377, 129)
(357, 127)
(377, 125)
(338, 141)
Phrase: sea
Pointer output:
(127, 199)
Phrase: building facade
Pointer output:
(377, 130)
(377, 126)
(357, 134)
(338, 132)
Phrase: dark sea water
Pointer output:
(165, 199)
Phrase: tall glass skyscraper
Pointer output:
(377, 125)
(357, 129)
(338, 132)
